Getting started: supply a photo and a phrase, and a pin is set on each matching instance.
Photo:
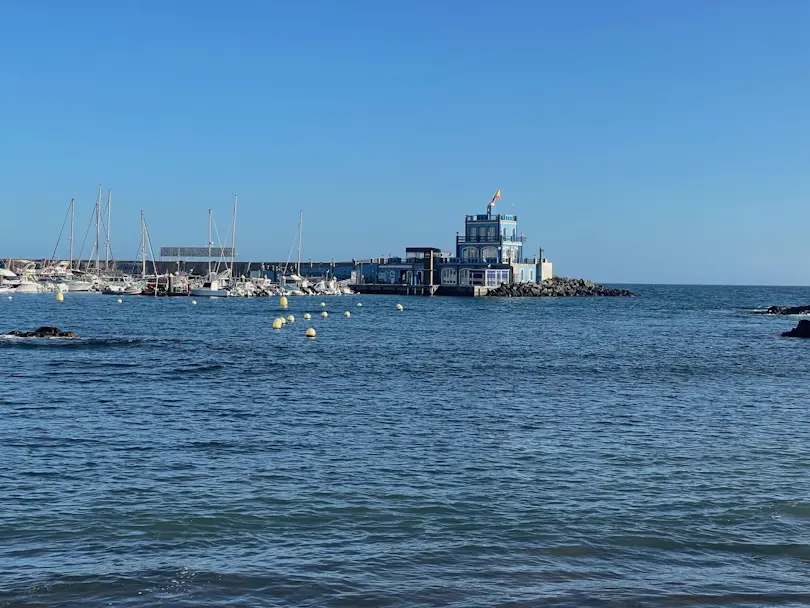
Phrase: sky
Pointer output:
(639, 142)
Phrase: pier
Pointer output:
(386, 289)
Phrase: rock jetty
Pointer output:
(787, 310)
(802, 330)
(43, 332)
(557, 287)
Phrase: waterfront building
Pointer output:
(487, 254)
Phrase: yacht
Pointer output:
(120, 285)
(212, 287)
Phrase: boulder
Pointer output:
(802, 330)
(47, 332)
(787, 310)
(43, 332)
(557, 287)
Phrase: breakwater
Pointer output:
(558, 287)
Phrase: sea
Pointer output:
(648, 451)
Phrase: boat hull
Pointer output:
(78, 285)
(29, 288)
(209, 293)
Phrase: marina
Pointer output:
(489, 253)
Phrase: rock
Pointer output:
(787, 310)
(43, 332)
(557, 287)
(47, 332)
(802, 330)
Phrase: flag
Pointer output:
(495, 198)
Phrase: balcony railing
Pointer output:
(495, 216)
(478, 239)
(493, 239)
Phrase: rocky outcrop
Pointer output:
(557, 287)
(802, 330)
(787, 310)
(43, 332)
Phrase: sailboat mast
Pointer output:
(72, 217)
(209, 243)
(107, 232)
(233, 239)
(300, 223)
(98, 221)
(143, 248)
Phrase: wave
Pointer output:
(69, 343)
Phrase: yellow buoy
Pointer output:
(307, 316)
(323, 304)
(283, 320)
(310, 333)
(291, 319)
(59, 296)
(194, 302)
(347, 314)
(277, 324)
(324, 314)
(400, 307)
(283, 301)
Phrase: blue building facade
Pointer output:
(487, 254)
(491, 238)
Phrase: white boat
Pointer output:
(8, 279)
(119, 284)
(78, 285)
(30, 285)
(211, 287)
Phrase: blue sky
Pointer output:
(637, 141)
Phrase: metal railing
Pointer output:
(493, 239)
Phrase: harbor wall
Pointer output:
(341, 270)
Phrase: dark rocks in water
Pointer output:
(802, 330)
(557, 287)
(787, 310)
(47, 332)
(43, 332)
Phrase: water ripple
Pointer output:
(645, 452)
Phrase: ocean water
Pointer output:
(652, 451)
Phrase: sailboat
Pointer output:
(220, 284)
(214, 285)
(294, 284)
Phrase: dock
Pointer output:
(387, 289)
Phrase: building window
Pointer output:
(449, 276)
(489, 254)
(464, 276)
(469, 254)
